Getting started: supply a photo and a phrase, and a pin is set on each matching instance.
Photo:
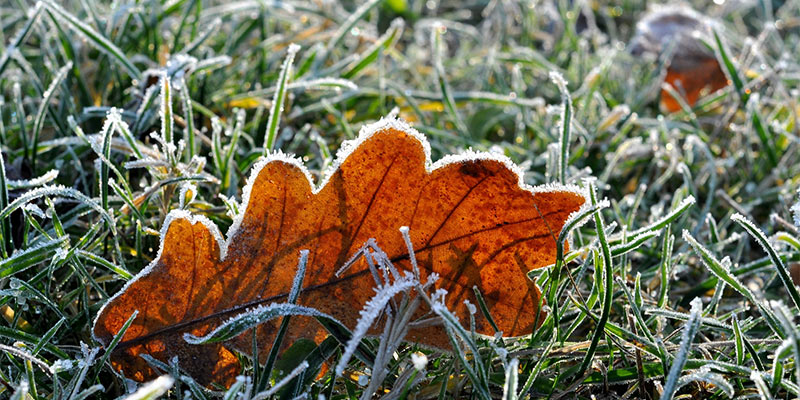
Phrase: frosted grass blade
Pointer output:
(783, 271)
(98, 40)
(277, 102)
(687, 337)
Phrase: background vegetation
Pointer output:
(90, 173)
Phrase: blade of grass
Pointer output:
(113, 344)
(294, 293)
(20, 37)
(277, 101)
(608, 287)
(444, 87)
(783, 271)
(687, 337)
(565, 124)
(722, 271)
(5, 223)
(371, 54)
(345, 28)
(98, 40)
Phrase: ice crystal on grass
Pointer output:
(146, 163)
(48, 177)
(470, 307)
(21, 392)
(796, 210)
(370, 313)
(187, 195)
(34, 209)
(61, 366)
(420, 360)
(153, 389)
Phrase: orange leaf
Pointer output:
(692, 78)
(471, 219)
(692, 69)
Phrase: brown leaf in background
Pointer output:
(692, 68)
(794, 272)
(471, 221)
(702, 77)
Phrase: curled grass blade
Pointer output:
(250, 319)
(56, 191)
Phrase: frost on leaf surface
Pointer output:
(471, 221)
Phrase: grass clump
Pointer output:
(112, 115)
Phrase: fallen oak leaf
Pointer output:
(472, 221)
(692, 68)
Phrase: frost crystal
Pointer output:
(34, 209)
(559, 80)
(796, 209)
(61, 366)
(153, 389)
(60, 254)
(42, 180)
(146, 162)
(419, 360)
(501, 352)
(188, 193)
(471, 307)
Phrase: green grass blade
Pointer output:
(344, 29)
(294, 293)
(687, 337)
(369, 56)
(20, 37)
(33, 255)
(99, 41)
(608, 290)
(566, 126)
(277, 101)
(5, 223)
(444, 86)
(783, 271)
(723, 272)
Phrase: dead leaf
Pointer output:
(697, 78)
(692, 69)
(471, 220)
(794, 272)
